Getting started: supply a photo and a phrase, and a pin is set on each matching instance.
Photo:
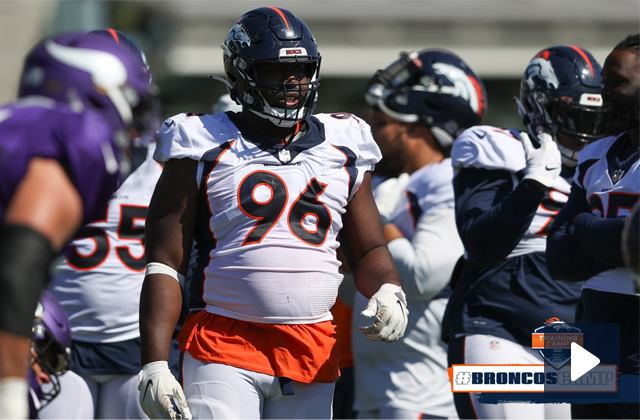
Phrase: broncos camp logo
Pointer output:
(239, 34)
(463, 85)
(542, 69)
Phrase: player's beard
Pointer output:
(622, 117)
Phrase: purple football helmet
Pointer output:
(51, 346)
(88, 70)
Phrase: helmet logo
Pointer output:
(239, 34)
(462, 84)
(542, 69)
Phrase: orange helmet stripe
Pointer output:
(114, 34)
(282, 16)
(586, 58)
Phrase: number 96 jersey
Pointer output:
(269, 214)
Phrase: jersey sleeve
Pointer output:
(191, 135)
(491, 215)
(566, 257)
(426, 262)
(352, 136)
(486, 147)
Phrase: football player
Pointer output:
(508, 187)
(59, 164)
(99, 279)
(264, 193)
(585, 239)
(421, 103)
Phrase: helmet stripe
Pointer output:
(586, 58)
(114, 34)
(278, 11)
(478, 88)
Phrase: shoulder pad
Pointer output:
(487, 147)
(190, 135)
(345, 130)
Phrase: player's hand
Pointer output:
(161, 395)
(389, 305)
(544, 163)
(388, 194)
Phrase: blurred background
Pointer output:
(182, 39)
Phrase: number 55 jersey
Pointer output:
(99, 279)
(269, 215)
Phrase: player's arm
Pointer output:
(169, 231)
(363, 243)
(374, 272)
(426, 262)
(44, 213)
(566, 258)
(491, 215)
(600, 237)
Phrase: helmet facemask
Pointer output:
(243, 75)
(51, 356)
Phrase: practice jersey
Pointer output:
(611, 191)
(83, 143)
(98, 281)
(428, 188)
(510, 295)
(269, 215)
(487, 147)
(411, 373)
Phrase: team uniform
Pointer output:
(83, 143)
(266, 271)
(504, 290)
(607, 186)
(408, 378)
(98, 282)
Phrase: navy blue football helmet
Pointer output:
(433, 87)
(50, 347)
(271, 35)
(560, 95)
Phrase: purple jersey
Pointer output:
(82, 142)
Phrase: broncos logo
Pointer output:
(541, 68)
(239, 34)
(462, 85)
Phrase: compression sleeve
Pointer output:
(600, 238)
(491, 215)
(25, 257)
(566, 258)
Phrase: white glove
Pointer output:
(161, 396)
(389, 305)
(387, 195)
(544, 163)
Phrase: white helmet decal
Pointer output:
(240, 35)
(462, 84)
(541, 68)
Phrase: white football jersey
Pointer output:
(487, 147)
(430, 187)
(270, 214)
(98, 280)
(610, 195)
(411, 373)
